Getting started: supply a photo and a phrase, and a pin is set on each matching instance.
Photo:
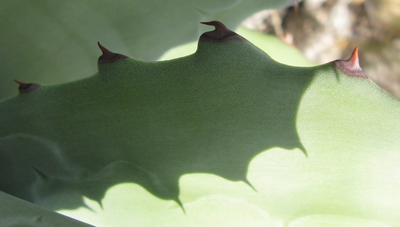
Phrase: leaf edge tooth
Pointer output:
(351, 67)
(109, 56)
(26, 87)
(220, 33)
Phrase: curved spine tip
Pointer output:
(220, 33)
(26, 87)
(351, 66)
(220, 28)
(216, 24)
(354, 58)
(104, 50)
(108, 56)
(21, 83)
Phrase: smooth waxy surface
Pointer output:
(51, 42)
(16, 212)
(229, 112)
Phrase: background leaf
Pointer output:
(17, 212)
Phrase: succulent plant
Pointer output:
(53, 42)
(227, 127)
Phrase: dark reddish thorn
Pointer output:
(218, 25)
(108, 56)
(26, 87)
(105, 51)
(22, 85)
(220, 33)
(351, 66)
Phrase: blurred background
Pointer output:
(326, 30)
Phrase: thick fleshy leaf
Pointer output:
(228, 111)
(54, 41)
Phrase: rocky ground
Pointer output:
(325, 30)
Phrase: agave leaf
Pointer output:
(228, 110)
(52, 42)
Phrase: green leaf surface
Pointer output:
(217, 138)
(17, 212)
(53, 42)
